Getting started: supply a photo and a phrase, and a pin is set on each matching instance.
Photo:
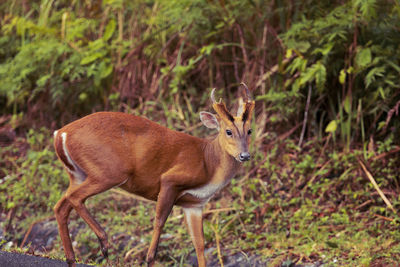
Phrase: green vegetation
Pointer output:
(324, 74)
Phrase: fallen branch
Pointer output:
(134, 251)
(52, 217)
(303, 130)
(383, 217)
(383, 155)
(371, 178)
(218, 210)
(221, 262)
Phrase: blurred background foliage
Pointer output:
(325, 76)
(60, 60)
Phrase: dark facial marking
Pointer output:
(246, 112)
(229, 116)
(245, 115)
(222, 110)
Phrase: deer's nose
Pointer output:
(244, 156)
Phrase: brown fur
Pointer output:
(147, 159)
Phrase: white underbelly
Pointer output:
(205, 192)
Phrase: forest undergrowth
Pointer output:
(287, 206)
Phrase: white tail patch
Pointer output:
(77, 172)
(55, 133)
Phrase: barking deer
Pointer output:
(109, 149)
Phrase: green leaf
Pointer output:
(302, 46)
(42, 80)
(106, 71)
(332, 244)
(393, 65)
(381, 92)
(363, 57)
(320, 76)
(206, 50)
(347, 104)
(332, 126)
(91, 57)
(83, 97)
(372, 74)
(315, 72)
(10, 205)
(342, 76)
(289, 53)
(381, 125)
(110, 29)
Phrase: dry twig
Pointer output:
(126, 194)
(31, 228)
(371, 178)
(218, 245)
(303, 130)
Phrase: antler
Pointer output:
(220, 108)
(213, 97)
(247, 91)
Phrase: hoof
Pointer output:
(150, 261)
(71, 263)
(105, 252)
(104, 247)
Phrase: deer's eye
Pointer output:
(228, 132)
(249, 132)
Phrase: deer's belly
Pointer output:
(200, 195)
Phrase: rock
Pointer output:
(42, 235)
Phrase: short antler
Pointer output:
(213, 96)
(247, 91)
(220, 108)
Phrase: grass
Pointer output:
(288, 206)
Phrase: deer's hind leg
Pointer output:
(62, 210)
(84, 182)
(77, 195)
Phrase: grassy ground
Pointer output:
(287, 206)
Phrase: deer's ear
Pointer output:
(209, 120)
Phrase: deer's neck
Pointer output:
(220, 166)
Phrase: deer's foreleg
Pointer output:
(165, 202)
(194, 220)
